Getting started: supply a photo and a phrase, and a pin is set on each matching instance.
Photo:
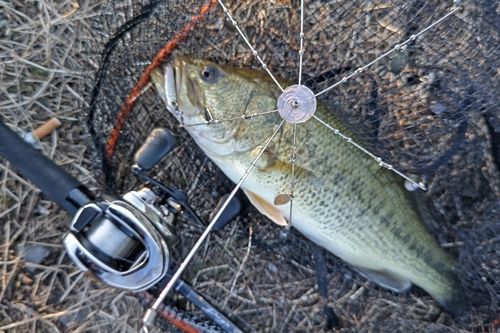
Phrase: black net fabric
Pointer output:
(429, 108)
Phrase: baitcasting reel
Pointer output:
(125, 242)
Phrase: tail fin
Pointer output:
(458, 303)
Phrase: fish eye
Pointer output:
(209, 74)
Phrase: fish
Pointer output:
(342, 199)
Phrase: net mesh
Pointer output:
(429, 108)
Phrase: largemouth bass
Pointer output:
(342, 200)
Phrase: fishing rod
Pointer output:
(124, 241)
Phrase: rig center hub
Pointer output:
(297, 104)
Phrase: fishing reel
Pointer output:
(126, 242)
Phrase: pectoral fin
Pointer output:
(274, 164)
(386, 279)
(266, 208)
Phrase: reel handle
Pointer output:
(55, 182)
(159, 142)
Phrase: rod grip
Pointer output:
(55, 182)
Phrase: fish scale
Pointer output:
(343, 201)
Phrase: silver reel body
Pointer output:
(124, 242)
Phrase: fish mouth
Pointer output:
(182, 93)
(186, 102)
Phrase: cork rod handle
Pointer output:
(46, 128)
